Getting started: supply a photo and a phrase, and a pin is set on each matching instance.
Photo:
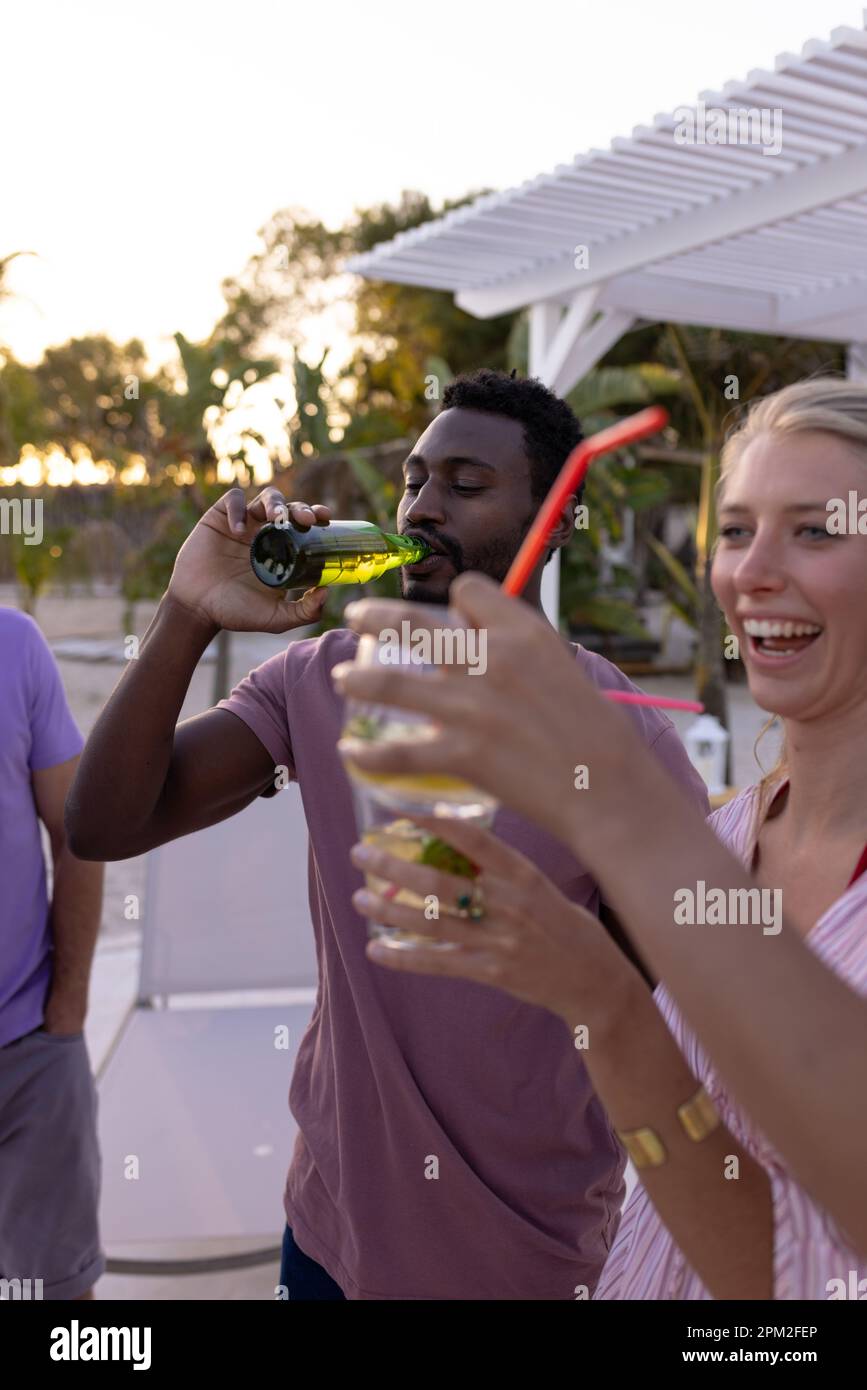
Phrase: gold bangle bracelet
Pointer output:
(644, 1147)
(698, 1118)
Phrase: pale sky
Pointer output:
(145, 144)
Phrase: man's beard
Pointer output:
(493, 559)
(413, 591)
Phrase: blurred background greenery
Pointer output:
(128, 457)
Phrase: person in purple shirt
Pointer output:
(450, 1144)
(49, 1160)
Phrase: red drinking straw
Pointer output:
(569, 480)
(571, 476)
(632, 697)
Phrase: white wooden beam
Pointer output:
(655, 296)
(658, 296)
(589, 347)
(562, 351)
(811, 187)
(569, 329)
(856, 362)
(797, 312)
(544, 318)
(844, 327)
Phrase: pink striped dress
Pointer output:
(810, 1251)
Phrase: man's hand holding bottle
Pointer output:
(213, 579)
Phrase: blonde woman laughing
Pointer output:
(738, 1088)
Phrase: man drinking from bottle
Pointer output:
(444, 1129)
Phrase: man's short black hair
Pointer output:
(551, 427)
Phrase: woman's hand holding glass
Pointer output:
(530, 940)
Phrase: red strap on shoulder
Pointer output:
(862, 868)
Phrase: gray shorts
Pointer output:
(49, 1165)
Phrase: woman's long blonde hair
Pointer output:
(827, 404)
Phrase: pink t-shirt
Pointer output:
(450, 1144)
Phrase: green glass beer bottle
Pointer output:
(343, 552)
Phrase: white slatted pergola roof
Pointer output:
(722, 234)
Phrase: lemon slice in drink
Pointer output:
(406, 840)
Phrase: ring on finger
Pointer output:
(472, 905)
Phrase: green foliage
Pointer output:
(381, 493)
(185, 411)
(398, 328)
(23, 418)
(96, 392)
(614, 486)
(310, 424)
(35, 565)
(147, 571)
(437, 374)
(284, 283)
(604, 613)
(606, 389)
(681, 578)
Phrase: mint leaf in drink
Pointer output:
(439, 855)
(363, 726)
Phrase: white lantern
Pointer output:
(706, 744)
